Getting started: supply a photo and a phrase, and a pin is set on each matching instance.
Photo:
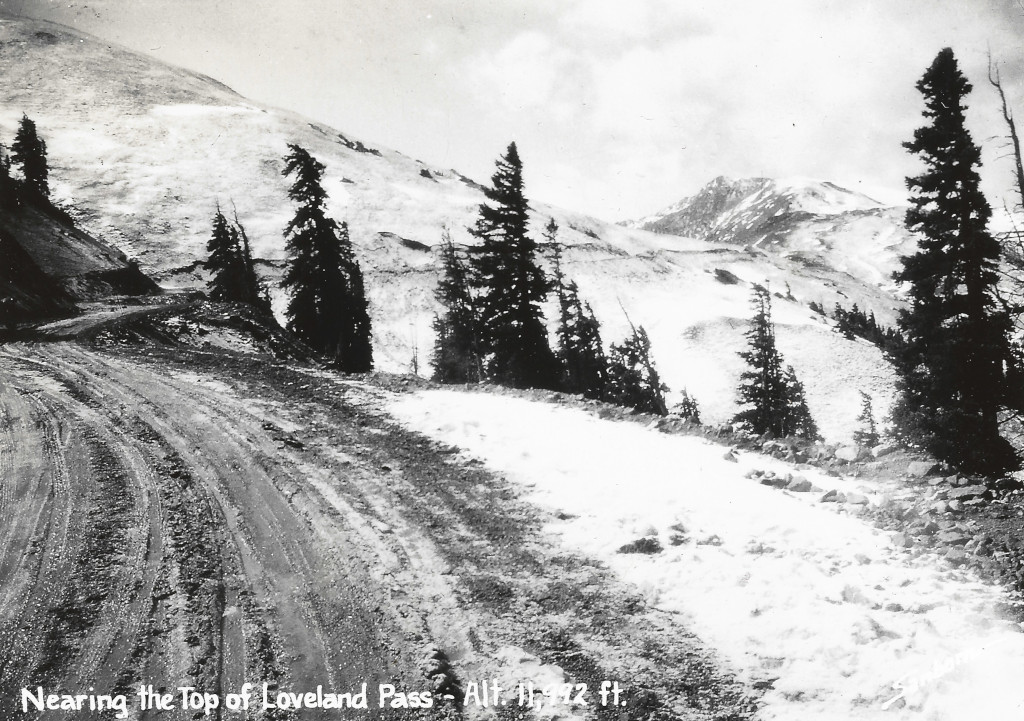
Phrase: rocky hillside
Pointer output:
(142, 152)
(81, 266)
(26, 293)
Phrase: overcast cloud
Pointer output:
(619, 108)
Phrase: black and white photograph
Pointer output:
(511, 360)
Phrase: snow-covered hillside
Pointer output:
(142, 152)
(802, 598)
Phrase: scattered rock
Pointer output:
(849, 453)
(646, 545)
(857, 499)
(920, 469)
(965, 492)
(712, 540)
(956, 556)
(902, 540)
(833, 496)
(730, 456)
(883, 449)
(799, 484)
(952, 538)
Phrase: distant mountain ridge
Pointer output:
(746, 210)
(809, 220)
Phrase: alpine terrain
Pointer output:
(193, 497)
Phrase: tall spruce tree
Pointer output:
(774, 399)
(456, 348)
(327, 308)
(952, 365)
(510, 285)
(763, 385)
(580, 350)
(29, 152)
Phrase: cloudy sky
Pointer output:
(619, 107)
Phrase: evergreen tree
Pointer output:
(775, 398)
(29, 151)
(233, 277)
(867, 434)
(223, 261)
(687, 408)
(327, 308)
(510, 285)
(798, 420)
(456, 350)
(763, 384)
(252, 289)
(633, 381)
(580, 350)
(952, 364)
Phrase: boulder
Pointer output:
(799, 484)
(920, 469)
(848, 453)
(902, 540)
(646, 546)
(833, 496)
(883, 449)
(956, 556)
(964, 492)
(857, 499)
(730, 456)
(952, 538)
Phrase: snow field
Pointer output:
(798, 596)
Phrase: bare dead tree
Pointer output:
(1011, 125)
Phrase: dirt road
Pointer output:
(207, 519)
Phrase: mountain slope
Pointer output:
(26, 293)
(142, 153)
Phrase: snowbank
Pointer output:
(793, 593)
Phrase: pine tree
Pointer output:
(633, 381)
(456, 349)
(798, 420)
(763, 384)
(952, 364)
(223, 261)
(233, 277)
(327, 308)
(687, 408)
(29, 151)
(867, 434)
(774, 396)
(251, 287)
(580, 350)
(510, 285)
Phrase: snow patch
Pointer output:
(816, 604)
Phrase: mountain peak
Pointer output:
(731, 210)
